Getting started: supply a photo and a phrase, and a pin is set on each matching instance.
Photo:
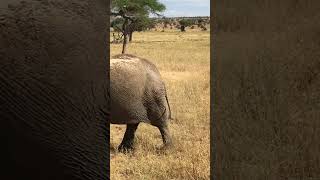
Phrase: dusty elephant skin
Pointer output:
(54, 90)
(138, 94)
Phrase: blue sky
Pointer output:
(176, 8)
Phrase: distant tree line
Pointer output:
(147, 23)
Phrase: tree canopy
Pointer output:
(140, 24)
(136, 8)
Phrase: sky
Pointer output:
(175, 8)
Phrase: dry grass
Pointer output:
(268, 106)
(183, 60)
(268, 91)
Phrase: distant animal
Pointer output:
(138, 94)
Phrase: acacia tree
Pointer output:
(185, 23)
(140, 24)
(132, 11)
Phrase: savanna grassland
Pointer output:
(183, 59)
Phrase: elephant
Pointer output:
(54, 89)
(138, 94)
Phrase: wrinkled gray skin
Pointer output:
(54, 90)
(138, 94)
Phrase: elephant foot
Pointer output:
(164, 149)
(167, 145)
(167, 141)
(128, 139)
(126, 147)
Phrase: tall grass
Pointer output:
(183, 61)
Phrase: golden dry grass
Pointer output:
(183, 60)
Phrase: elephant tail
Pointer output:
(170, 117)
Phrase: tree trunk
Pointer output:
(130, 36)
(183, 28)
(125, 36)
(124, 45)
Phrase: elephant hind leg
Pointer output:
(128, 138)
(164, 130)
